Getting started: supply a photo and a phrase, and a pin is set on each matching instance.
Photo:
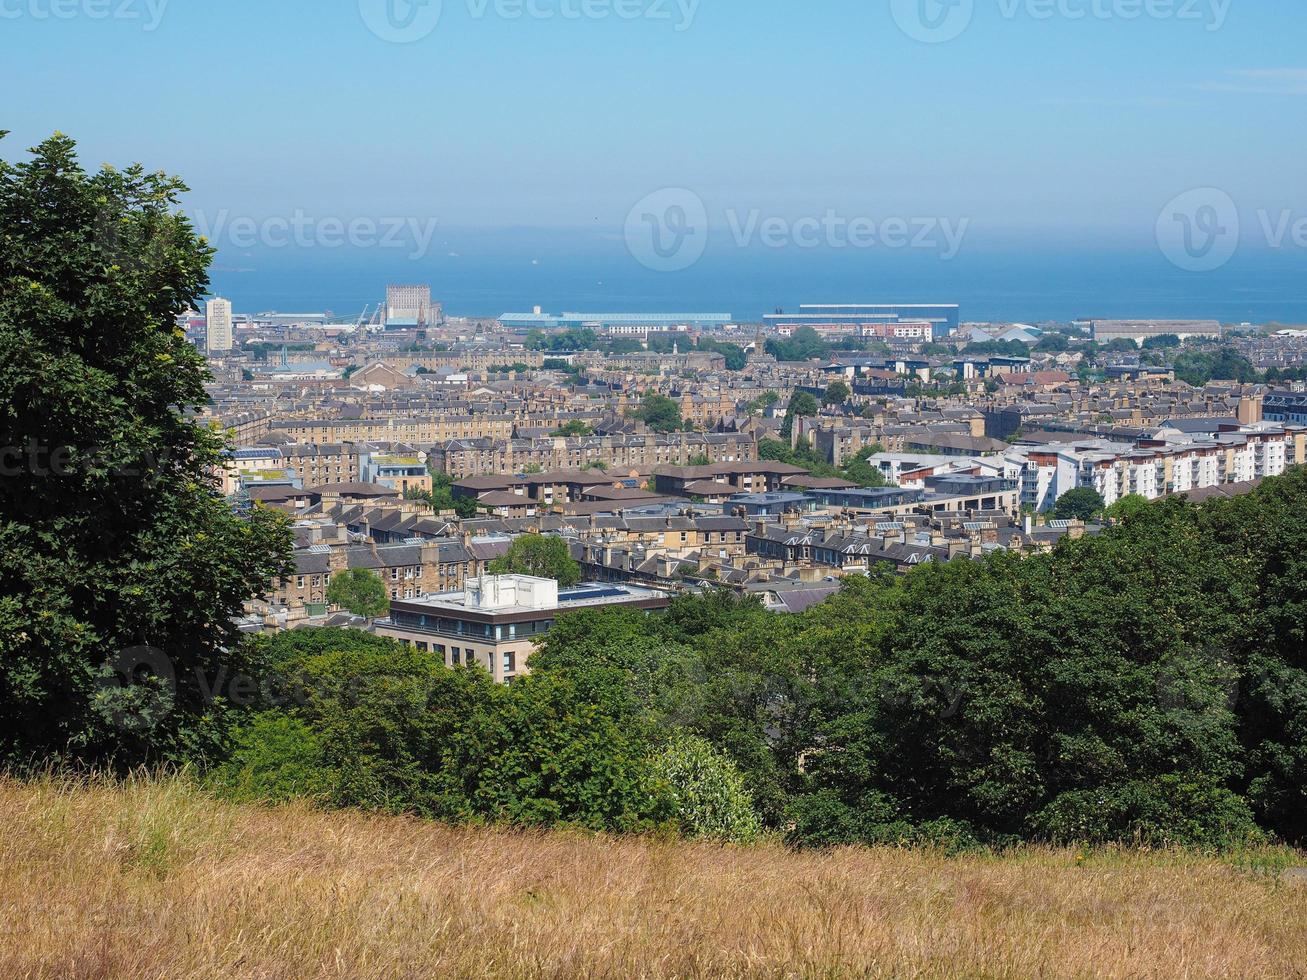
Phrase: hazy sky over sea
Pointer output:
(518, 135)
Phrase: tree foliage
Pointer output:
(361, 591)
(544, 556)
(1080, 504)
(658, 412)
(117, 553)
(736, 356)
(708, 792)
(803, 345)
(837, 393)
(1147, 684)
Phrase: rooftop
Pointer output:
(507, 594)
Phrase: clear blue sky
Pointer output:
(1037, 129)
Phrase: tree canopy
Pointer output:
(837, 393)
(1080, 504)
(658, 412)
(544, 556)
(118, 556)
(359, 590)
(1146, 684)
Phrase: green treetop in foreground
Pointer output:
(539, 555)
(113, 537)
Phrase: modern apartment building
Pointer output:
(217, 326)
(495, 621)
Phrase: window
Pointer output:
(510, 662)
(455, 655)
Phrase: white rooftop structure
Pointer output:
(510, 592)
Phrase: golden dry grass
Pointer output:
(153, 878)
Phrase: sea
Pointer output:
(488, 275)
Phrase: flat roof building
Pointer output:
(1105, 331)
(942, 317)
(597, 321)
(496, 620)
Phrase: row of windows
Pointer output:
(447, 626)
(457, 656)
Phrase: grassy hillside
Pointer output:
(157, 879)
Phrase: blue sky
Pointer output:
(1035, 125)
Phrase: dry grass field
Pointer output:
(154, 878)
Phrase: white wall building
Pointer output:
(217, 319)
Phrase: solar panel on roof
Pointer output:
(582, 595)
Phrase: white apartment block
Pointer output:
(1172, 462)
(217, 320)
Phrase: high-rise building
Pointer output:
(410, 306)
(218, 334)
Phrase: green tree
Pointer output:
(574, 427)
(1080, 504)
(116, 551)
(274, 758)
(861, 472)
(736, 356)
(837, 393)
(625, 345)
(359, 590)
(804, 345)
(708, 792)
(802, 404)
(659, 412)
(540, 555)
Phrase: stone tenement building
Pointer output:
(474, 457)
